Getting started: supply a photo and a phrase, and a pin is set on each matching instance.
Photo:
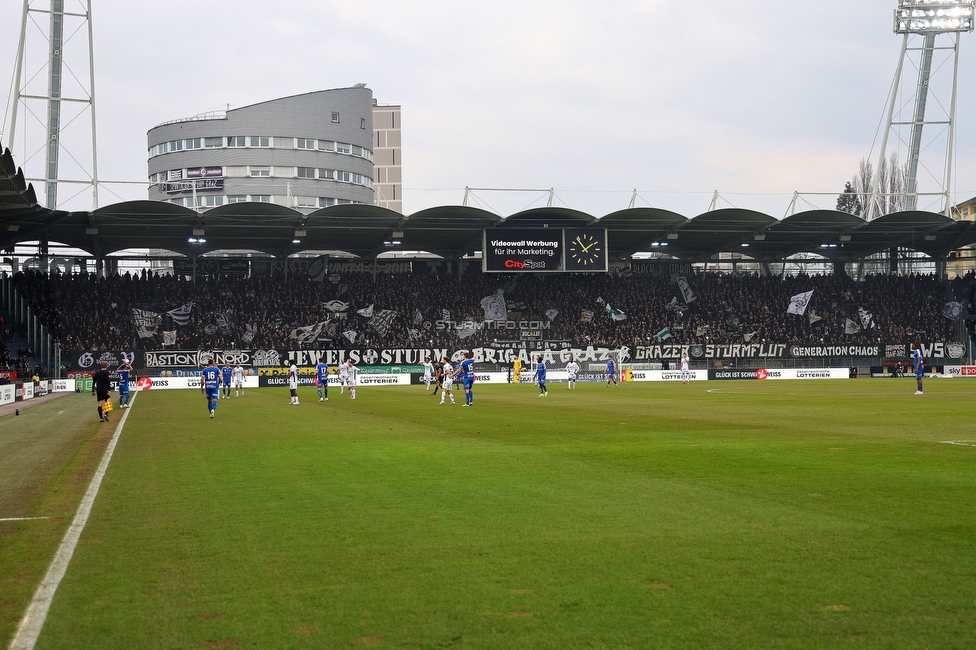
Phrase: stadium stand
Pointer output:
(86, 313)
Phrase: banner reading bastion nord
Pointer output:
(504, 354)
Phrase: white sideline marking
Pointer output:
(22, 518)
(30, 626)
(964, 443)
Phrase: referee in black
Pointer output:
(102, 389)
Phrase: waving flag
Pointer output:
(799, 302)
(181, 315)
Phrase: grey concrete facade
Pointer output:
(304, 152)
(388, 181)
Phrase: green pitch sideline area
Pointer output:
(822, 514)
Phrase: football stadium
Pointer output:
(274, 424)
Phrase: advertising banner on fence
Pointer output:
(8, 394)
(764, 374)
(667, 375)
(180, 383)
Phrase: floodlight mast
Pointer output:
(56, 97)
(928, 20)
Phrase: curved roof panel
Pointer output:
(549, 218)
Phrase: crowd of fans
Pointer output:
(87, 313)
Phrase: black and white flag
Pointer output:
(494, 306)
(686, 293)
(850, 327)
(226, 323)
(382, 320)
(181, 315)
(169, 338)
(336, 306)
(799, 302)
(147, 322)
(413, 334)
(445, 315)
(952, 310)
(866, 318)
(350, 336)
(250, 331)
(366, 313)
(307, 335)
(418, 318)
(318, 269)
(552, 313)
(466, 329)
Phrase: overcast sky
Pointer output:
(755, 99)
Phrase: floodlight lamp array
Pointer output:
(934, 16)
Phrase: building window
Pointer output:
(236, 198)
(175, 174)
(362, 123)
(176, 145)
(194, 143)
(342, 147)
(306, 201)
(325, 202)
(305, 143)
(236, 141)
(213, 143)
(214, 201)
(342, 177)
(257, 141)
(327, 174)
(306, 172)
(260, 171)
(326, 145)
(261, 198)
(343, 201)
(335, 118)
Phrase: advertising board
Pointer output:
(522, 250)
(8, 394)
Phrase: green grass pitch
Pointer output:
(821, 514)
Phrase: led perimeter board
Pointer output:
(544, 250)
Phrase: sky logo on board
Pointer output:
(762, 373)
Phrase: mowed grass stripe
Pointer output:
(643, 516)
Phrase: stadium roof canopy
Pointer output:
(454, 231)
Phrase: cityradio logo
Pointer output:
(762, 374)
(144, 383)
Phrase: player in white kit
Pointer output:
(572, 369)
(293, 383)
(428, 372)
(448, 370)
(237, 378)
(685, 370)
(351, 379)
(343, 376)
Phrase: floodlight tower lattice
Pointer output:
(925, 25)
(57, 94)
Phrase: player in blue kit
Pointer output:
(225, 374)
(611, 373)
(467, 376)
(918, 365)
(123, 371)
(322, 379)
(540, 373)
(210, 384)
